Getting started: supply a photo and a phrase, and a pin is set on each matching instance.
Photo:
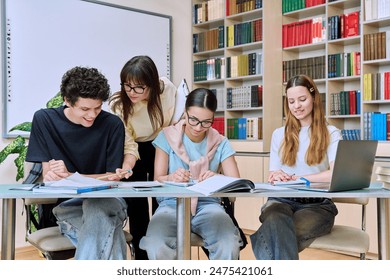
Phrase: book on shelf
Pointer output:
(245, 128)
(240, 6)
(376, 9)
(74, 184)
(376, 45)
(219, 125)
(222, 183)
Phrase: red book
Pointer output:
(351, 24)
(352, 102)
(387, 85)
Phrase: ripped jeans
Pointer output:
(94, 226)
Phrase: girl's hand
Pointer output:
(207, 174)
(280, 175)
(121, 173)
(180, 175)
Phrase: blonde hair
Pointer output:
(319, 134)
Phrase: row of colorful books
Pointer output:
(293, 5)
(376, 86)
(343, 26)
(244, 128)
(209, 69)
(376, 126)
(209, 40)
(244, 97)
(376, 45)
(350, 134)
(376, 9)
(303, 32)
(345, 103)
(344, 64)
(244, 65)
(240, 6)
(312, 66)
(207, 11)
(244, 33)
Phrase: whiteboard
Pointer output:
(42, 39)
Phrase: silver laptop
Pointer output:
(352, 168)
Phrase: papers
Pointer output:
(290, 183)
(74, 184)
(221, 183)
(263, 187)
(140, 185)
(180, 184)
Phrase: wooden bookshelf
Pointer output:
(242, 47)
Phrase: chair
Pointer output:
(346, 239)
(50, 241)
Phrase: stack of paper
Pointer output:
(383, 175)
(74, 184)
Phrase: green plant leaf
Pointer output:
(15, 147)
(19, 162)
(55, 102)
(26, 126)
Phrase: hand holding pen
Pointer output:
(180, 175)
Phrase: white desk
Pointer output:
(183, 211)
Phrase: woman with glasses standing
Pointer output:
(145, 103)
(191, 149)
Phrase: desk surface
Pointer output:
(374, 191)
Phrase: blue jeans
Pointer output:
(221, 237)
(288, 227)
(95, 227)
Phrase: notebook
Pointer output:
(352, 168)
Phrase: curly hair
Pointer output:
(319, 134)
(84, 82)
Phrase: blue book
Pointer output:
(69, 190)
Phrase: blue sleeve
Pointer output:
(161, 142)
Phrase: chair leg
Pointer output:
(132, 250)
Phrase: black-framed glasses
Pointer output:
(136, 89)
(194, 122)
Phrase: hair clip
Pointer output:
(311, 89)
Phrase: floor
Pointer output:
(30, 253)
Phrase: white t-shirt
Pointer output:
(301, 167)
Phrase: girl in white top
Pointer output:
(305, 147)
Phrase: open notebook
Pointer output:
(352, 168)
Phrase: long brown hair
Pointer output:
(140, 70)
(319, 134)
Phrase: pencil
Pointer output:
(113, 174)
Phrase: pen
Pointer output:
(109, 175)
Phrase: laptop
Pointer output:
(352, 167)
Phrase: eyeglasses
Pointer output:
(194, 122)
(136, 89)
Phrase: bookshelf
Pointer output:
(231, 45)
(349, 61)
